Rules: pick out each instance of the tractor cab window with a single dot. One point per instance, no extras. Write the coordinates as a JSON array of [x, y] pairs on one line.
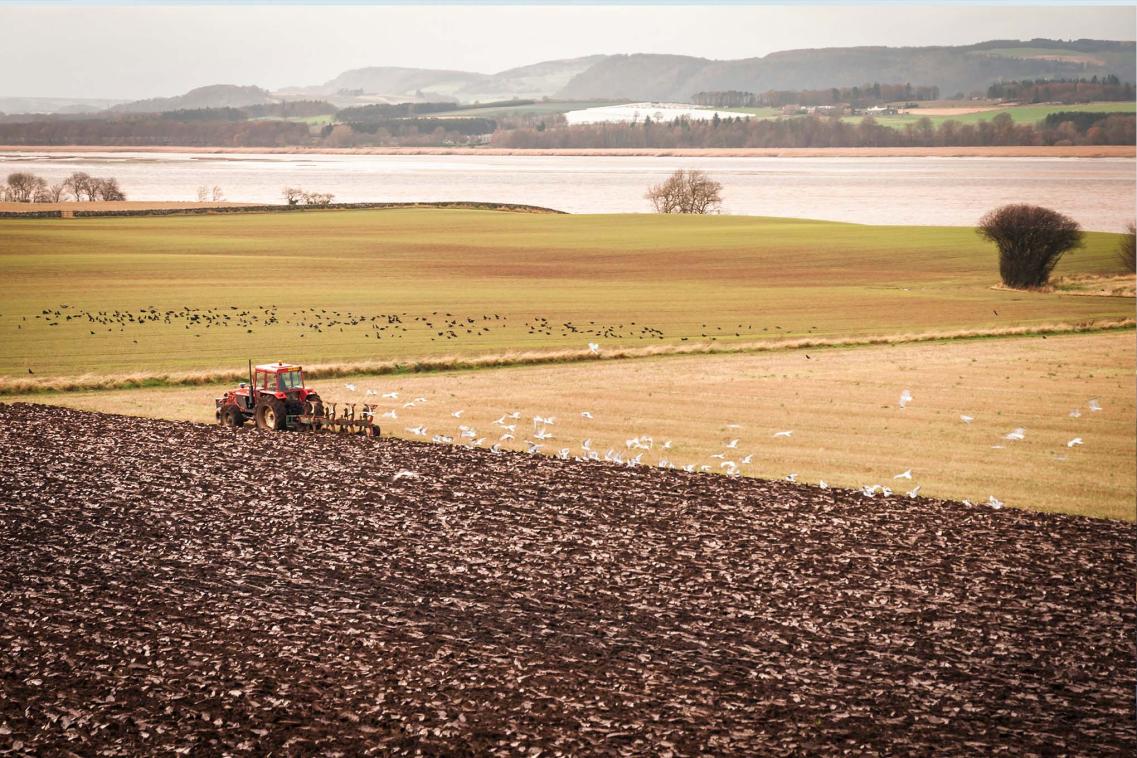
[[264, 380], [290, 380]]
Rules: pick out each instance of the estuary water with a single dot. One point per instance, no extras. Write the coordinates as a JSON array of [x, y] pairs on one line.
[[1098, 192]]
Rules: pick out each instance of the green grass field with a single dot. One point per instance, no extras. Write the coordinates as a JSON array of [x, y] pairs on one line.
[[108, 296], [1028, 114]]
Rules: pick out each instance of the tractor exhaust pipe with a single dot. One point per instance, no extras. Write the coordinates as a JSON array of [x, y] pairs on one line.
[[250, 374]]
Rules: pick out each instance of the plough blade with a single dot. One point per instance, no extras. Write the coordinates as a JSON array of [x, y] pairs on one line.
[[320, 418]]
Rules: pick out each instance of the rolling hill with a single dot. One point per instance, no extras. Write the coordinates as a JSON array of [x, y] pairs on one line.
[[953, 69], [212, 96]]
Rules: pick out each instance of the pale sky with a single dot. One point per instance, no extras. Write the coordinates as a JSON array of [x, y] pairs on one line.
[[145, 51]]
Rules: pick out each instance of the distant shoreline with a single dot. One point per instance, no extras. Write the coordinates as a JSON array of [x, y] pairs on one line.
[[1017, 151]]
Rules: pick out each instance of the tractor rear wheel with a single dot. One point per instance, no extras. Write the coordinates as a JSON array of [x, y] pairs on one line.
[[271, 416]]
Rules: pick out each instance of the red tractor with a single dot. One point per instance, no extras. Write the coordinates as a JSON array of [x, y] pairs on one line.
[[276, 399]]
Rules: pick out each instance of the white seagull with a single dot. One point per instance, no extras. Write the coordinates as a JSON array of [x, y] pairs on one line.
[[458, 414], [967, 419], [1016, 435], [904, 475], [905, 398], [732, 445], [1074, 442], [593, 348], [419, 431], [784, 434], [585, 414], [1095, 406]]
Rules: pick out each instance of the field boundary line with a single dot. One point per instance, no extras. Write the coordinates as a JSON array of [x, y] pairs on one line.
[[143, 379], [217, 210]]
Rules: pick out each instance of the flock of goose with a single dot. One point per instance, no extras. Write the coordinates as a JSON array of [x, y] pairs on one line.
[[537, 434]]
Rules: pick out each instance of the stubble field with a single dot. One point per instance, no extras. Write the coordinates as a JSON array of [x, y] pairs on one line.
[[841, 405]]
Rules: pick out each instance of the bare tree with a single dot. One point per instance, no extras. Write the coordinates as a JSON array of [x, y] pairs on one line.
[[202, 193], [79, 184], [108, 189], [1031, 240], [218, 195], [1127, 251], [686, 192], [56, 192], [292, 195], [22, 186]]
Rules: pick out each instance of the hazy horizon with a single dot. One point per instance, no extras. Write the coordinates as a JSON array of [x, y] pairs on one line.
[[163, 51]]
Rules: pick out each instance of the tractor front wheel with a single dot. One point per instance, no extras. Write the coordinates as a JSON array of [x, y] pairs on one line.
[[232, 417], [271, 416]]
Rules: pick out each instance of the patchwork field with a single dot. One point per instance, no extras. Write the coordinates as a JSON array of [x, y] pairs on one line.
[[1026, 114], [113, 296], [966, 112]]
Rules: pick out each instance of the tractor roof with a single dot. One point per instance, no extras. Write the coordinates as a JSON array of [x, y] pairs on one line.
[[276, 367]]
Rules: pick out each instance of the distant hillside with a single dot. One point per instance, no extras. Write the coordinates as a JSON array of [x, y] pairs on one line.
[[395, 84], [54, 104], [534, 81], [213, 96], [953, 69]]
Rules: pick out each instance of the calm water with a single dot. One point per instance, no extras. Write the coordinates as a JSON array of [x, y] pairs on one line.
[[1098, 192]]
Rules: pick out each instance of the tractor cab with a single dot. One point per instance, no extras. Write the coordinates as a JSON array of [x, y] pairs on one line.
[[279, 379]]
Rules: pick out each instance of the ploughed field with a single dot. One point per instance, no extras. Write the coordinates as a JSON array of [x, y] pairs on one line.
[[175, 586], [116, 296]]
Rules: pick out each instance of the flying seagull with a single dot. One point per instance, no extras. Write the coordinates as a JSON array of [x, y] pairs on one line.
[[905, 398]]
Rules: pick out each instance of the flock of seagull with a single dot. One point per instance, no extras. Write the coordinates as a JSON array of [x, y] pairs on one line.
[[538, 433]]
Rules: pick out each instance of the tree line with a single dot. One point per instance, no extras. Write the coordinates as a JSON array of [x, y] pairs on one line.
[[1109, 88], [155, 130], [858, 97], [811, 131], [24, 187]]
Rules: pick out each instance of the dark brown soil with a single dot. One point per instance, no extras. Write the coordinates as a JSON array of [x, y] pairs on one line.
[[177, 587]]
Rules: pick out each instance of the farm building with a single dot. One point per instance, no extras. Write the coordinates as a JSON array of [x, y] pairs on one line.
[[638, 112]]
